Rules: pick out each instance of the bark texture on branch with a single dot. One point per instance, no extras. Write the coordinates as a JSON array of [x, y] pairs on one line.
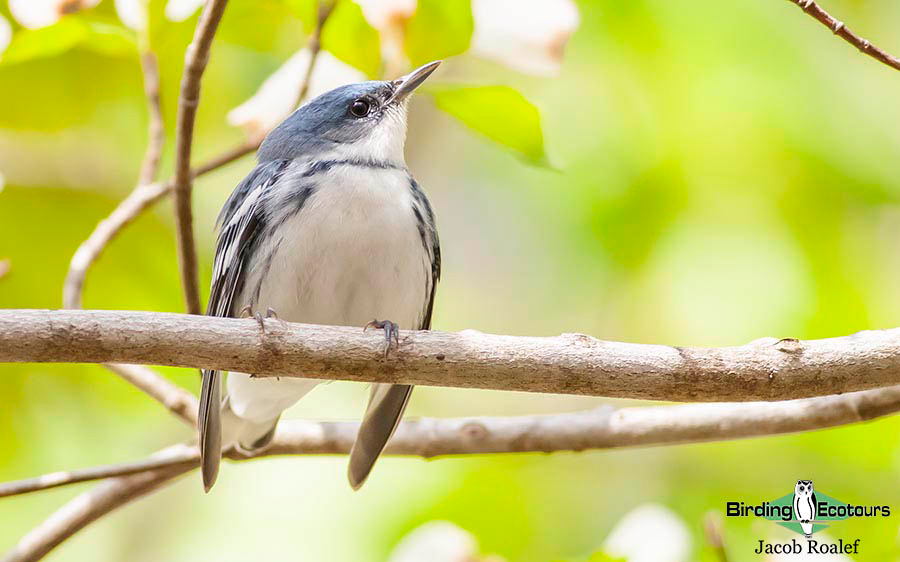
[[601, 428], [767, 369]]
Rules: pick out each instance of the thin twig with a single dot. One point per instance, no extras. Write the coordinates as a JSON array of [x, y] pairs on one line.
[[315, 43], [195, 60], [156, 132], [765, 369], [838, 28], [174, 456], [88, 507], [713, 530], [177, 400], [141, 199], [73, 287], [598, 429]]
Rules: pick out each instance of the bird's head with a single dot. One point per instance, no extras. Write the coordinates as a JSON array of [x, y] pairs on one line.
[[359, 121]]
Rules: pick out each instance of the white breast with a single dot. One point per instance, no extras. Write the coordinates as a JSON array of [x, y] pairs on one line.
[[353, 253]]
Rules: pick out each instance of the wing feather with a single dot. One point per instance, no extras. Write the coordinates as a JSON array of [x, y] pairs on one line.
[[242, 220]]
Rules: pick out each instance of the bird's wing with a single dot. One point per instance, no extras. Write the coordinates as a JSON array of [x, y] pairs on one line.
[[387, 401], [814, 503], [241, 221]]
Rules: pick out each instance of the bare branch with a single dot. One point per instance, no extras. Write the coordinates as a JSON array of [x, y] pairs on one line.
[[315, 43], [156, 133], [195, 59], [171, 457], [767, 369], [177, 400], [841, 30], [88, 507], [603, 428], [137, 202], [87, 253]]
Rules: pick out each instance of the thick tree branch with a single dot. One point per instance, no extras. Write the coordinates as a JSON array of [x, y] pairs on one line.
[[767, 369], [195, 59], [841, 30], [597, 429]]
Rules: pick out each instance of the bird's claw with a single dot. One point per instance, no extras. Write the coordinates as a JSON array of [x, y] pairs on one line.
[[391, 332], [247, 312]]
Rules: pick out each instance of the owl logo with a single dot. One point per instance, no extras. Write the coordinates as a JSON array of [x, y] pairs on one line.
[[805, 506]]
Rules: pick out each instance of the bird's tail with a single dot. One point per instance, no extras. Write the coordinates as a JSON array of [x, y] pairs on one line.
[[210, 425], [218, 425], [386, 405]]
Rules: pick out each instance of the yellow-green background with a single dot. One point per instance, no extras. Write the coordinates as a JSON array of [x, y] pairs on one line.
[[725, 171]]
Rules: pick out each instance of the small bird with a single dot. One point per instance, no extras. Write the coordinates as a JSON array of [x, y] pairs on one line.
[[329, 228], [805, 506]]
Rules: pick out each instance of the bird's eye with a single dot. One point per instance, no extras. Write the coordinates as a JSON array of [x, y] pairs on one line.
[[360, 108]]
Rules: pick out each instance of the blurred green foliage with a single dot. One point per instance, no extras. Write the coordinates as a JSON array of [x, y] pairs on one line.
[[725, 172], [498, 112], [351, 39], [438, 29]]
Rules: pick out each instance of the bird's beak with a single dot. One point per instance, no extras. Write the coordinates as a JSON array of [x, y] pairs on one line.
[[405, 85]]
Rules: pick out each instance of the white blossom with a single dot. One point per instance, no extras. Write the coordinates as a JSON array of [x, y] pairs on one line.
[[5, 38], [526, 35], [133, 13], [436, 541], [180, 10], [649, 533], [384, 14], [278, 95], [34, 14]]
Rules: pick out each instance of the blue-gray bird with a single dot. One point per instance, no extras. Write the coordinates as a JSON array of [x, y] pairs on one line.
[[329, 228]]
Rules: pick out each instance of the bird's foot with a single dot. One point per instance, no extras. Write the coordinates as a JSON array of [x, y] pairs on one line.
[[391, 332], [247, 312]]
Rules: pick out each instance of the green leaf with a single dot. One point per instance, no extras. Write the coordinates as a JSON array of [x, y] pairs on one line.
[[499, 113], [306, 11], [108, 39], [29, 44], [66, 34], [439, 29], [349, 37]]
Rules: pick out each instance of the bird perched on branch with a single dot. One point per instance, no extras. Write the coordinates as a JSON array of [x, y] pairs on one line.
[[329, 228]]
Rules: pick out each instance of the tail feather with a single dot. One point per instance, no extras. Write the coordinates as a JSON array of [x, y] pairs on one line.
[[210, 425], [386, 405]]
